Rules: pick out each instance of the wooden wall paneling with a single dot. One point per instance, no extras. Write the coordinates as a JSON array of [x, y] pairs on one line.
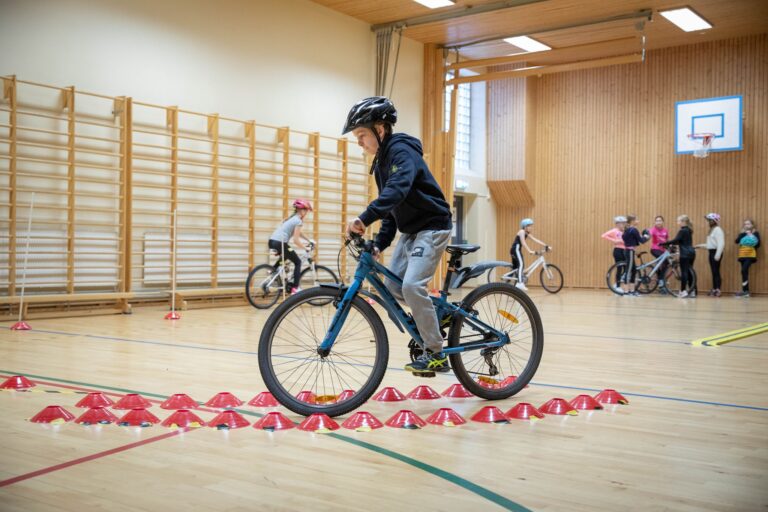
[[343, 150], [68, 97], [250, 135], [9, 94]]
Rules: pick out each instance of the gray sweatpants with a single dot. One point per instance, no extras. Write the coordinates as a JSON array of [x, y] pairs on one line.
[[414, 261]]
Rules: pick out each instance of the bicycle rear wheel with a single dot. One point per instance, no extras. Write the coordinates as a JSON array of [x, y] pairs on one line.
[[646, 283], [500, 372], [613, 277], [673, 282], [501, 274], [295, 373], [551, 278], [263, 286]]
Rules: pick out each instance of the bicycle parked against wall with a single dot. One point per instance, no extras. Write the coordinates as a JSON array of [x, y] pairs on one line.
[[266, 283], [550, 276], [648, 274], [334, 356]]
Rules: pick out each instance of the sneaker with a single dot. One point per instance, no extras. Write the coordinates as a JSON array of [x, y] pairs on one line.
[[742, 294], [683, 294], [618, 289], [295, 290], [692, 294], [521, 286], [429, 362], [716, 293], [635, 293]]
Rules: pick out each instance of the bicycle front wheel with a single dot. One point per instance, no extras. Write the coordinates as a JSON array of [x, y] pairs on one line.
[[302, 380], [263, 286], [501, 372], [551, 278], [646, 283]]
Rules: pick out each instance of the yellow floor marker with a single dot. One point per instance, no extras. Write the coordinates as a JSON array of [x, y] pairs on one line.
[[727, 337]]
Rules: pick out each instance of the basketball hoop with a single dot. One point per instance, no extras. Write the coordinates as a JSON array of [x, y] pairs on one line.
[[704, 140]]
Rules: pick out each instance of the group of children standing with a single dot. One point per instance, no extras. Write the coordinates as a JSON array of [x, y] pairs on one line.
[[626, 238]]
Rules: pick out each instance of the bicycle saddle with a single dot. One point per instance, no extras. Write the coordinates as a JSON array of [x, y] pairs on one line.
[[461, 249]]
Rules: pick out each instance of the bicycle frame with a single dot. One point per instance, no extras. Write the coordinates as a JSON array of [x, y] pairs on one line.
[[528, 271], [368, 269], [658, 261]]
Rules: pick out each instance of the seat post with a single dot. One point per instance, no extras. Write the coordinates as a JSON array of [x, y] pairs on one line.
[[453, 263]]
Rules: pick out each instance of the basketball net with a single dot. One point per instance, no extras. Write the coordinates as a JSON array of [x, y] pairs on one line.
[[704, 140]]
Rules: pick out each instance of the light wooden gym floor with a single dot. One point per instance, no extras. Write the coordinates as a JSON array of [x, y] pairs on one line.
[[694, 436]]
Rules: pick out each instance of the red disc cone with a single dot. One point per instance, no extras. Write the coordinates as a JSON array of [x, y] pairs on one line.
[[21, 326], [446, 417], [611, 396], [179, 401], [223, 400], [138, 417], [274, 421], [345, 395], [423, 393], [318, 423], [173, 315], [389, 394], [132, 401], [52, 414], [264, 399], [228, 420], [17, 382], [362, 422], [585, 403], [306, 397], [509, 380], [95, 399], [488, 382], [405, 419], [524, 411], [183, 418], [490, 414], [558, 407], [457, 391], [96, 415]]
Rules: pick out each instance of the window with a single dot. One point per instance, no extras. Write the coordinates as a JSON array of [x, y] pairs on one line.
[[463, 122]]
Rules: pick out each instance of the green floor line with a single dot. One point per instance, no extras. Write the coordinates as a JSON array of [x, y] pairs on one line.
[[474, 488]]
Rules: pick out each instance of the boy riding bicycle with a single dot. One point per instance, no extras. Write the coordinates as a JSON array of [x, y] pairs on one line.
[[411, 201]]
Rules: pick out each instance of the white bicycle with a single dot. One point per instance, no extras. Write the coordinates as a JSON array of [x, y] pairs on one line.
[[550, 276]]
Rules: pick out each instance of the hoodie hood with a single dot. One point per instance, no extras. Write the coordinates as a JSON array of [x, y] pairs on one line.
[[402, 138]]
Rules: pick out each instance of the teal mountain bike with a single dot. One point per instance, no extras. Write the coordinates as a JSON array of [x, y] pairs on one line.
[[325, 349]]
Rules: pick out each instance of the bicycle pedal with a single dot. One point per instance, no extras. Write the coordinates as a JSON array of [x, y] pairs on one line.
[[425, 375]]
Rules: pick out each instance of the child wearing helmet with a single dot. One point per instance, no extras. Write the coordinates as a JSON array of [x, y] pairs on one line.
[[748, 242], [715, 246], [614, 236], [410, 200], [290, 229], [520, 242]]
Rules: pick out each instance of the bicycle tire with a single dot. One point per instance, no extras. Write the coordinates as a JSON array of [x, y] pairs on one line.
[[672, 280], [320, 270], [267, 369], [557, 275], [611, 279], [646, 284], [537, 342], [268, 299]]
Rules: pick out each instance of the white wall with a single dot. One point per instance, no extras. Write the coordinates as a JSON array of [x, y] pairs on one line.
[[280, 62]]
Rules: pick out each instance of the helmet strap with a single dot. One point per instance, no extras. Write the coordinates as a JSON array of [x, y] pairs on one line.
[[378, 151]]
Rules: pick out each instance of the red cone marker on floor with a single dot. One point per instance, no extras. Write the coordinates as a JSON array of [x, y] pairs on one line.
[[274, 421], [138, 417], [558, 407], [423, 393], [524, 411], [389, 394], [307, 397], [95, 399], [446, 417], [490, 414], [21, 326], [362, 422], [228, 420], [509, 380], [319, 423], [132, 401], [457, 391], [611, 396], [17, 382], [345, 395], [52, 414], [264, 399], [585, 403], [223, 400], [173, 315], [405, 419], [96, 415], [179, 401], [183, 418]]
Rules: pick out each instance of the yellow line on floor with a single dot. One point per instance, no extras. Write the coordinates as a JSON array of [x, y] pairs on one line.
[[727, 337]]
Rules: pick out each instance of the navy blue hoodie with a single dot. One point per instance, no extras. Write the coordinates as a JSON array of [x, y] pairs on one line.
[[409, 197]]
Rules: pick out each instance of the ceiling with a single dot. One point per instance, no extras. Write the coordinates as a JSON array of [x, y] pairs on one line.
[[563, 23]]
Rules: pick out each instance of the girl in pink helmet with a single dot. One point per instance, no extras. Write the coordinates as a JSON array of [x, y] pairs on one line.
[[290, 230]]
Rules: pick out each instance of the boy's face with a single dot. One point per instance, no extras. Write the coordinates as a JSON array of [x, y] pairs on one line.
[[366, 140]]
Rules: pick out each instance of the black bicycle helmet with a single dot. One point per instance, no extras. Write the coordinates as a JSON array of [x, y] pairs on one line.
[[368, 111]]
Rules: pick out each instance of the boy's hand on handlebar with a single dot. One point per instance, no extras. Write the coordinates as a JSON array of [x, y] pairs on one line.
[[355, 226]]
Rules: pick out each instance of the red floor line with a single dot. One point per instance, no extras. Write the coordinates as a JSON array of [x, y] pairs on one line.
[[89, 458]]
